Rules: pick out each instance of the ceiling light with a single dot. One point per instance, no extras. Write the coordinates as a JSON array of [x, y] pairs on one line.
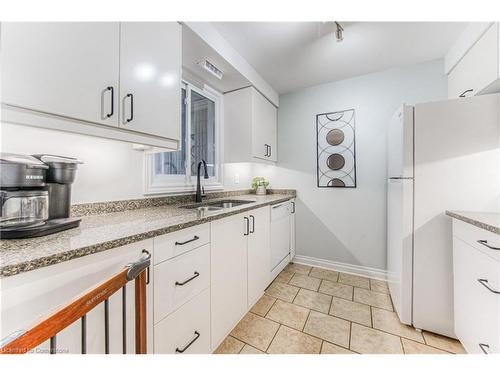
[[339, 32]]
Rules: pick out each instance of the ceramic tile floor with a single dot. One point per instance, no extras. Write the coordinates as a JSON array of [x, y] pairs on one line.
[[312, 310]]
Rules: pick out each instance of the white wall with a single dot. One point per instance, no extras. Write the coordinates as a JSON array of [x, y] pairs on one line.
[[112, 169], [346, 225]]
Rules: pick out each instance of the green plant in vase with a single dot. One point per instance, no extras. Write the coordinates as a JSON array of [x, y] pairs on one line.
[[259, 185]]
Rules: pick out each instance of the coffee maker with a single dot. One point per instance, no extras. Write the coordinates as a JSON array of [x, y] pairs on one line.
[[35, 195]]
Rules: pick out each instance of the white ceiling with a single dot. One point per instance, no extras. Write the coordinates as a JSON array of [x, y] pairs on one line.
[[292, 55]]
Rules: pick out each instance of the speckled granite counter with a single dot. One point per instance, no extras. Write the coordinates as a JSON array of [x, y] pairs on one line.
[[489, 221], [100, 232]]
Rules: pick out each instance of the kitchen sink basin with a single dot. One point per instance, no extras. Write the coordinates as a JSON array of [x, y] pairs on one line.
[[228, 203], [217, 205], [206, 208]]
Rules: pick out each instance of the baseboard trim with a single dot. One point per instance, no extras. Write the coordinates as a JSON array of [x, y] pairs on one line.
[[353, 269]]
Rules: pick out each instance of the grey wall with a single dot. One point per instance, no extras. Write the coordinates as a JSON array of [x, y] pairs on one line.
[[346, 225]]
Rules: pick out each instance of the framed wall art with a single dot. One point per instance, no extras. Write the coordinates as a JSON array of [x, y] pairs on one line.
[[336, 151]]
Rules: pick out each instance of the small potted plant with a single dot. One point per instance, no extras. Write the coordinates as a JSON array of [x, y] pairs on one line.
[[259, 185]]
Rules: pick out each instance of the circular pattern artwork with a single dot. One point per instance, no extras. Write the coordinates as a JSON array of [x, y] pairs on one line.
[[335, 182], [335, 162], [335, 137], [336, 149]]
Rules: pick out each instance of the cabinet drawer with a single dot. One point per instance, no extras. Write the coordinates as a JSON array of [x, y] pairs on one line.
[[471, 235], [477, 306], [188, 324], [179, 279], [173, 244]]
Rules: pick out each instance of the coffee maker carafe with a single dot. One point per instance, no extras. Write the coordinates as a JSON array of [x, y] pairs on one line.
[[35, 193]]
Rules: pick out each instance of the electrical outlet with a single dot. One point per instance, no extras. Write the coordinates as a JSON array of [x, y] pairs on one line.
[[236, 178]]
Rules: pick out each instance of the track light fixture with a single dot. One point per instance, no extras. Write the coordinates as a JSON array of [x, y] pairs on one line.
[[339, 32]]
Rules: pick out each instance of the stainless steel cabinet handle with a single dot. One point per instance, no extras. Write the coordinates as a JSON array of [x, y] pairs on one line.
[[267, 149], [196, 274], [188, 241], [484, 282], [484, 347], [196, 337], [293, 207], [253, 224], [270, 151], [485, 243]]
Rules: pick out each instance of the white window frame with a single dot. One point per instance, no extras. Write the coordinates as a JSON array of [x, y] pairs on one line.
[[171, 184]]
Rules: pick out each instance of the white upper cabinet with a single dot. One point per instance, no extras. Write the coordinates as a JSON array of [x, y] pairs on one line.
[[78, 76], [478, 72], [69, 69], [250, 127], [265, 121], [150, 77]]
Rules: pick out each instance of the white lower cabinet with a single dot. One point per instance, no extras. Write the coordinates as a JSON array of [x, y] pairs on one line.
[[186, 330], [292, 231], [240, 262], [202, 281], [228, 262], [29, 297], [177, 243], [180, 279], [476, 291], [259, 253]]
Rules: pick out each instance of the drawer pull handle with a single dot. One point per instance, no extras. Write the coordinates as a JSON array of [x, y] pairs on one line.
[[485, 243], [484, 347], [196, 274], [188, 241], [462, 95], [196, 337], [484, 282]]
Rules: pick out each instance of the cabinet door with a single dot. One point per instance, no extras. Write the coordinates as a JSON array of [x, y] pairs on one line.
[[186, 330], [264, 123], [476, 305], [292, 231], [62, 68], [150, 78], [259, 253], [28, 297], [478, 68], [228, 263]]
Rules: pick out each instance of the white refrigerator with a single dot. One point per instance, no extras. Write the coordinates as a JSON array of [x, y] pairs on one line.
[[441, 156]]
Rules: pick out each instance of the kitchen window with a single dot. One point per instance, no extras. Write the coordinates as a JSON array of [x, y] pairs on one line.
[[175, 171]]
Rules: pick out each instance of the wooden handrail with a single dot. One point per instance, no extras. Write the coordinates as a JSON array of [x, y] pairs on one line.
[[69, 314]]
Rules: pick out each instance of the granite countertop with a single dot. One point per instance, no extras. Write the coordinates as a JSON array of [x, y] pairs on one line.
[[489, 221], [100, 232]]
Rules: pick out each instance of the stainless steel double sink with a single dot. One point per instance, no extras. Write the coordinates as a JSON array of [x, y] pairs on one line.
[[216, 205]]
